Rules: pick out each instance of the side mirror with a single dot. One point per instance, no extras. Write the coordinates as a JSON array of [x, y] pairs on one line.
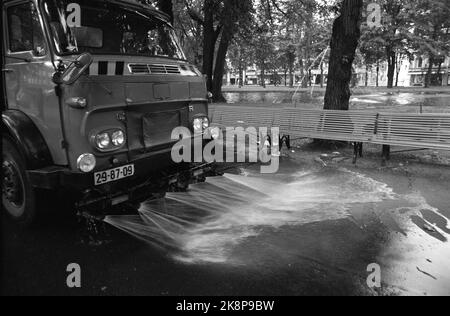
[[74, 71]]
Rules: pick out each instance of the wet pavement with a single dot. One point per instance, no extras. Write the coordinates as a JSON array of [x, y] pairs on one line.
[[307, 230]]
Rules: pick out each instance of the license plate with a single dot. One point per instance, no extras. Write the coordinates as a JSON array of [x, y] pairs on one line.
[[115, 174]]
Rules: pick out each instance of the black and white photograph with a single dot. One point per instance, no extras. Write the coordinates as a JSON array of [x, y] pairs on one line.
[[225, 155]]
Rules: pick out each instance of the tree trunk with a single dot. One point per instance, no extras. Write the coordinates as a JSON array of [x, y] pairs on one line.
[[241, 76], [378, 73], [431, 60], [398, 68], [263, 75], [208, 42], [321, 75], [367, 76], [429, 72], [305, 76], [396, 78], [166, 6], [220, 66], [391, 67], [439, 76], [346, 34], [310, 78], [291, 75]]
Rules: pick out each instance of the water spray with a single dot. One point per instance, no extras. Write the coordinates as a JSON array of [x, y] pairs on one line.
[[210, 220], [321, 55]]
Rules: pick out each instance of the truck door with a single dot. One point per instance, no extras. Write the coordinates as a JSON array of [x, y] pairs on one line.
[[28, 70]]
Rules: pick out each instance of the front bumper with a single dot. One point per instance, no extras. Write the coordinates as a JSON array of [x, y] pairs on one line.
[[63, 178], [153, 164], [134, 189]]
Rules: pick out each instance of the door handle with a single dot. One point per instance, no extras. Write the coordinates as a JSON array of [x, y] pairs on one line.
[[7, 70]]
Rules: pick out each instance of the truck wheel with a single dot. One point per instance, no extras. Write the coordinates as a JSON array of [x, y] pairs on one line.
[[18, 196]]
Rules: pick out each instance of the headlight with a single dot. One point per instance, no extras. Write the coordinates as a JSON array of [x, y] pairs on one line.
[[102, 140], [205, 123], [109, 140], [118, 138], [198, 125], [86, 163]]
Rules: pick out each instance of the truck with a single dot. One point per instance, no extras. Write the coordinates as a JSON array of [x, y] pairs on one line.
[[92, 91]]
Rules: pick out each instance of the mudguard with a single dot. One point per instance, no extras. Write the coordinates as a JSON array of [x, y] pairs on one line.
[[28, 139]]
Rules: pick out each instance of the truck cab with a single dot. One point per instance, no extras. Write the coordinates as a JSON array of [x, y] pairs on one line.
[[93, 90]]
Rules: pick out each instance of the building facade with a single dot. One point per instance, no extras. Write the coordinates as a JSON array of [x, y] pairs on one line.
[[440, 71], [408, 74]]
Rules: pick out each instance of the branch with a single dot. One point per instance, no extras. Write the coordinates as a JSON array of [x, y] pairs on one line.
[[275, 4], [194, 14]]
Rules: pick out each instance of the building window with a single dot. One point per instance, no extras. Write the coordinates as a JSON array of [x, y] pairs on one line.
[[420, 62]]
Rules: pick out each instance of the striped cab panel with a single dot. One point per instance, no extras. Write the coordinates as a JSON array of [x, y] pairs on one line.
[[107, 68], [111, 68]]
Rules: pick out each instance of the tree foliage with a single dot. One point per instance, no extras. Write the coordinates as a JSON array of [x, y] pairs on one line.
[[287, 35], [431, 35]]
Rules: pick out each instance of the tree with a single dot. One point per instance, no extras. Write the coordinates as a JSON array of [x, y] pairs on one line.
[[373, 51], [241, 54], [235, 15], [264, 50], [392, 35], [431, 33], [300, 32], [321, 35], [287, 60], [344, 41], [165, 6], [219, 20], [394, 21]]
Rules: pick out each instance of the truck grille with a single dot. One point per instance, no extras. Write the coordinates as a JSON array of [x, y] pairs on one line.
[[156, 69], [139, 69], [158, 127]]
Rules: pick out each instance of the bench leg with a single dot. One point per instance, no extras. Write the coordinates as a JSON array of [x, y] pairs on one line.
[[386, 154], [361, 150], [281, 142], [286, 139], [288, 142], [355, 152]]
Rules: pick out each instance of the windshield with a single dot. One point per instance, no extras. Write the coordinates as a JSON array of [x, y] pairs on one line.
[[103, 27]]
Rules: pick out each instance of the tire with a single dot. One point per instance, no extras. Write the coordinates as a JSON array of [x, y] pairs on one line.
[[18, 195]]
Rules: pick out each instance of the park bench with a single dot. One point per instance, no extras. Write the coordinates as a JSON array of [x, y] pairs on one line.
[[423, 131], [238, 116], [418, 131]]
